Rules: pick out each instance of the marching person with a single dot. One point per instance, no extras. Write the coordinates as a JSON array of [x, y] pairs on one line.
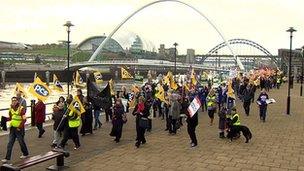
[[211, 105], [71, 130], [174, 114], [263, 104], [97, 112], [222, 121], [58, 112], [192, 122], [117, 120], [40, 116], [86, 118], [18, 119], [247, 97]]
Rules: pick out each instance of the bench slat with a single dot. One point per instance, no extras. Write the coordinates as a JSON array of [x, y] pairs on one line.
[[37, 159], [28, 164]]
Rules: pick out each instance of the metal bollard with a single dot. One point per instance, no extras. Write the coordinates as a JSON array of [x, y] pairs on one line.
[[32, 112]]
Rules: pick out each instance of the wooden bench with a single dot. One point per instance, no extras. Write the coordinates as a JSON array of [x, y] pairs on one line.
[[59, 154]]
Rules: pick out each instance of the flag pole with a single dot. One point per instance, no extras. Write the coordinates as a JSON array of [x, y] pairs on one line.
[[63, 117]]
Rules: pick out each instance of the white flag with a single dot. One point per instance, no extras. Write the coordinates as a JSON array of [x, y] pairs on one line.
[[194, 106]]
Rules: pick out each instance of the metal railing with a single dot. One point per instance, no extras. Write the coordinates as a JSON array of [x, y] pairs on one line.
[[32, 116]]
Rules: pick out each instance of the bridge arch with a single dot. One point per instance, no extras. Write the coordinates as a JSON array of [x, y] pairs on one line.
[[98, 50], [241, 41]]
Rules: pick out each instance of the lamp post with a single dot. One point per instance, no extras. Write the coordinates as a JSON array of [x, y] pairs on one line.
[[175, 51], [290, 30], [302, 70], [68, 25]]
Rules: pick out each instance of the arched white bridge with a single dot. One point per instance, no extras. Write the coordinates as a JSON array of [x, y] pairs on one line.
[[100, 47]]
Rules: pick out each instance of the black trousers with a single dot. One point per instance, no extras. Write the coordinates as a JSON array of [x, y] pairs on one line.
[[40, 128], [172, 128], [108, 114], [263, 111], [246, 106], [141, 135], [70, 133], [168, 122], [191, 132]]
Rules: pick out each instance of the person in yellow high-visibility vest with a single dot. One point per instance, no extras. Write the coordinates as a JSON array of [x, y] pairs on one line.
[[211, 105], [71, 130], [235, 123], [17, 118]]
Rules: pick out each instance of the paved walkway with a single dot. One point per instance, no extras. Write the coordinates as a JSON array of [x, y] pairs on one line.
[[276, 144]]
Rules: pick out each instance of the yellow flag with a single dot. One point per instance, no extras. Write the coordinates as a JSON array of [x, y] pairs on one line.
[[161, 94], [135, 89], [193, 78], [132, 100], [187, 87], [19, 88], [79, 81], [166, 80], [169, 80], [76, 106], [98, 77], [173, 84], [112, 87], [125, 74], [39, 89], [230, 91], [57, 85]]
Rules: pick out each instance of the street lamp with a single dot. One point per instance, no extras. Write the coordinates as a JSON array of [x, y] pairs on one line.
[[68, 25], [290, 30], [302, 70], [175, 51]]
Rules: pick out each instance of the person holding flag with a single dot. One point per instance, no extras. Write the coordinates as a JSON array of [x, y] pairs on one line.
[[74, 111]]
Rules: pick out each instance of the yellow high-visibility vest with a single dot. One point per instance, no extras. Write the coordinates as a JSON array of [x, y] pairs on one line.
[[211, 101], [74, 122], [16, 117], [238, 122]]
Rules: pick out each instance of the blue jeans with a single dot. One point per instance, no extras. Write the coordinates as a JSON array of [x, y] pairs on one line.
[[14, 133], [96, 116]]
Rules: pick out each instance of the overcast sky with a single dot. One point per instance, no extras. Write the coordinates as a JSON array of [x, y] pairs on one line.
[[262, 21]]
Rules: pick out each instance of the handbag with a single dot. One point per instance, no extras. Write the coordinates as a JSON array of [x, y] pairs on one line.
[[143, 123]]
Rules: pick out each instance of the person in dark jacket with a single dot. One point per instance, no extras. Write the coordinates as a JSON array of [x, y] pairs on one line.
[[117, 121], [141, 111], [40, 116], [247, 97], [263, 104], [192, 122], [58, 112], [174, 114], [86, 118], [96, 116], [222, 121]]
